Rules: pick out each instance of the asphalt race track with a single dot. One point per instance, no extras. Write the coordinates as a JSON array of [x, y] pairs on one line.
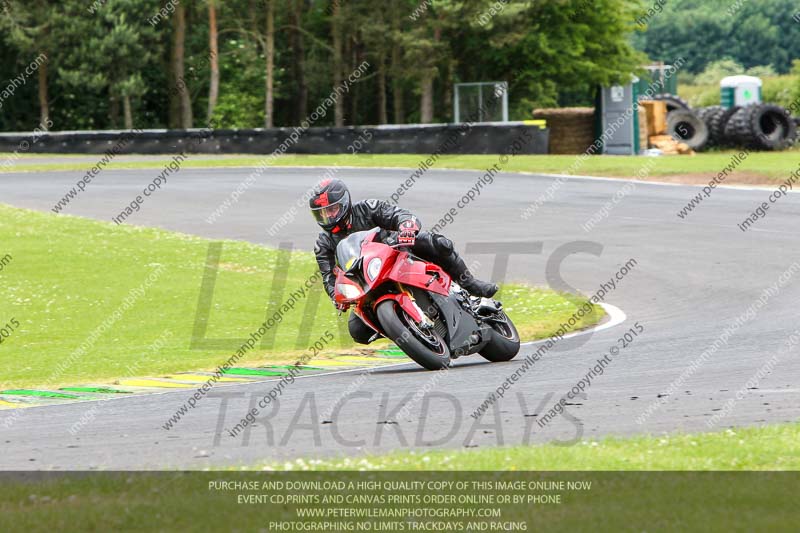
[[692, 279]]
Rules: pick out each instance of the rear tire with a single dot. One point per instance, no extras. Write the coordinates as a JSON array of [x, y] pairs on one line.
[[504, 342], [429, 351]]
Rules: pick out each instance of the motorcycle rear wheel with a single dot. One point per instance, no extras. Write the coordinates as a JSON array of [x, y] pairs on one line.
[[504, 342], [427, 349]]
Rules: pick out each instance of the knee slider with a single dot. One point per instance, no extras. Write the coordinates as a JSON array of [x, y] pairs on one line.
[[359, 331]]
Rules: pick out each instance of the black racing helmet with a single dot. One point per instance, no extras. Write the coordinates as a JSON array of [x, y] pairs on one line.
[[330, 204]]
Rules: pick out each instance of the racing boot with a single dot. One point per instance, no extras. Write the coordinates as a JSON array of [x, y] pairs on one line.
[[458, 270]]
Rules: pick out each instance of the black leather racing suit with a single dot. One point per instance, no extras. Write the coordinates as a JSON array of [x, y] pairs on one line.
[[369, 214]]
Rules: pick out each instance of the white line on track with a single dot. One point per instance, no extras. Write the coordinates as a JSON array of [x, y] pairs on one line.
[[761, 188]]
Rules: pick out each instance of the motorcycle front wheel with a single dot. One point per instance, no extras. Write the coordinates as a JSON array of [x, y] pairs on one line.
[[425, 347]]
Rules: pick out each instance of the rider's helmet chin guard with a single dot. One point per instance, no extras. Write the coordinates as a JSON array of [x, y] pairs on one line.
[[330, 205]]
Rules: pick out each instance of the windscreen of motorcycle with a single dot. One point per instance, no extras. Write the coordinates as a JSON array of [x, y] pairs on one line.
[[349, 250]]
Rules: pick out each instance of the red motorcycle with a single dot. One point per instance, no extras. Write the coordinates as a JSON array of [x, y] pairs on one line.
[[416, 304]]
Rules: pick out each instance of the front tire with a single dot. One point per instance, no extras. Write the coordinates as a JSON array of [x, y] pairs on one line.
[[428, 350], [504, 342]]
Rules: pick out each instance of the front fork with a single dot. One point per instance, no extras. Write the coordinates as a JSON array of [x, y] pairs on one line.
[[406, 302]]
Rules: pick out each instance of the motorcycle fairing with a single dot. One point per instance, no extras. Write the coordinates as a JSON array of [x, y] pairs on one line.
[[418, 273], [404, 301], [460, 325]]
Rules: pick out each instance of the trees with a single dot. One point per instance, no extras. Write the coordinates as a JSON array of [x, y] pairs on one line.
[[425, 49], [252, 63], [183, 117], [269, 55], [28, 26], [109, 52], [750, 33], [213, 55], [336, 38], [396, 63], [551, 53], [296, 10], [370, 38]]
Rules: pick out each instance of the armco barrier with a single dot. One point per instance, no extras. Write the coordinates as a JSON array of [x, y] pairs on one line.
[[489, 138]]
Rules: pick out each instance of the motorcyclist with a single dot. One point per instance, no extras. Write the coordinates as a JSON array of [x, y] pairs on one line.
[[338, 217]]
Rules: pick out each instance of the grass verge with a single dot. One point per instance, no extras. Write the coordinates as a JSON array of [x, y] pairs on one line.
[[771, 447], [78, 289], [759, 168], [603, 500]]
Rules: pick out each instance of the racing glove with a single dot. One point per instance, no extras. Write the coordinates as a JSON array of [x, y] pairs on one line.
[[408, 232], [341, 307]]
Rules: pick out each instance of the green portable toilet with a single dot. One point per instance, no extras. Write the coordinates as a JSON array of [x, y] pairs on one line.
[[740, 91]]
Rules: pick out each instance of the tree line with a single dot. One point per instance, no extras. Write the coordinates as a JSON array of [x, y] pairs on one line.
[[264, 63], [763, 33]]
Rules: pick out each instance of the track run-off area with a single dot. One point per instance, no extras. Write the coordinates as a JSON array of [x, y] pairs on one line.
[[709, 311]]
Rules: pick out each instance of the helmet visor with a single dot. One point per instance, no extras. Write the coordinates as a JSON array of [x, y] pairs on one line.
[[329, 214]]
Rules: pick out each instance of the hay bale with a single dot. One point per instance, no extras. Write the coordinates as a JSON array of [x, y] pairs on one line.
[[571, 128], [670, 146], [656, 116], [644, 132]]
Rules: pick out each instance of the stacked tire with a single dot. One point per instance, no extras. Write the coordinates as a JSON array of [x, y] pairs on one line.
[[685, 126], [762, 126], [758, 126], [716, 118]]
